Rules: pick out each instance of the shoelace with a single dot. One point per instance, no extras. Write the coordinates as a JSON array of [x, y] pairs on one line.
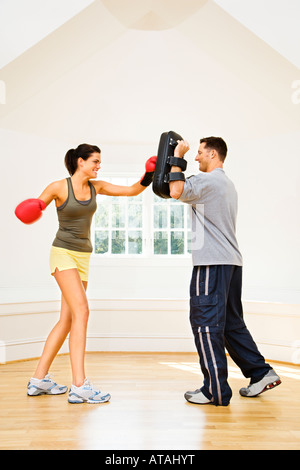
[[88, 384], [50, 378]]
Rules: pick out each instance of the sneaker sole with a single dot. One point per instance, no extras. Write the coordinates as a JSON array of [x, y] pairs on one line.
[[270, 386], [199, 402], [88, 401], [45, 393], [189, 398], [78, 401]]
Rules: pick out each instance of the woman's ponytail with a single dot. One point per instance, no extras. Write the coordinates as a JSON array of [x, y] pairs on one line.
[[71, 161]]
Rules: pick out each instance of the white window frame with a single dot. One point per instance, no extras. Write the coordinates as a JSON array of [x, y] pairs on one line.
[[147, 229]]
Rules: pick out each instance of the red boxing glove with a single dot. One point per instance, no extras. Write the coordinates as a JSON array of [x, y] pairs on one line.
[[30, 211], [148, 176]]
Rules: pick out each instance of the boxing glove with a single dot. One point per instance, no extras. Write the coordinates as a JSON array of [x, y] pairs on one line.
[[147, 178], [30, 210]]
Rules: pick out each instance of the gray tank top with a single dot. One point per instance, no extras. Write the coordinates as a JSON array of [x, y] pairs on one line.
[[75, 218]]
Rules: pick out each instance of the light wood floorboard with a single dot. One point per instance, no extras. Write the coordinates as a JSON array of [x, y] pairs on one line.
[[147, 410]]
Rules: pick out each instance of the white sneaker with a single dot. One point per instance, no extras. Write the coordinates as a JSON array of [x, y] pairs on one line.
[[197, 397], [45, 386], [269, 381], [87, 394]]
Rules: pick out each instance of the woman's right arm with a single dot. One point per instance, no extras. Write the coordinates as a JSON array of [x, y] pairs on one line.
[[52, 191], [30, 210]]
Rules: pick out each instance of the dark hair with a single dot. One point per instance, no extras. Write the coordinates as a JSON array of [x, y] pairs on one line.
[[216, 143], [83, 151]]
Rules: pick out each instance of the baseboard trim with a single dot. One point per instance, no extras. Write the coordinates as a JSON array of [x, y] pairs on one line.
[[123, 327]]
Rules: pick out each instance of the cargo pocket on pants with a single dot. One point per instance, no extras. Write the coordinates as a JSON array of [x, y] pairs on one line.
[[204, 310]]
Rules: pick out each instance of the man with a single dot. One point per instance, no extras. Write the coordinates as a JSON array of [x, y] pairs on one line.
[[216, 312]]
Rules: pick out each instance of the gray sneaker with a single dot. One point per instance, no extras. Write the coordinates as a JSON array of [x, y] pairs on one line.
[[269, 381], [197, 397], [87, 394], [45, 386]]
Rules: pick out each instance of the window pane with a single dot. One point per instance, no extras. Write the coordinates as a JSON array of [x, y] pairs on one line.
[[135, 216], [177, 216], [177, 243], [101, 241], [102, 216], [122, 223], [138, 198], [118, 242], [160, 200], [118, 216], [160, 216], [160, 243], [135, 242]]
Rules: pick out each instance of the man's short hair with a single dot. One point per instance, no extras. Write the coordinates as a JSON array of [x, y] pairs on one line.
[[216, 143]]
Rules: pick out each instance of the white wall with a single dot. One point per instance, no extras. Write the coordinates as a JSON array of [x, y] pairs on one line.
[[119, 87], [268, 223], [266, 173], [143, 304]]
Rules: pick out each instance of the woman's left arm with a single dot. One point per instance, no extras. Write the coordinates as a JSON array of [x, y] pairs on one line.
[[109, 189]]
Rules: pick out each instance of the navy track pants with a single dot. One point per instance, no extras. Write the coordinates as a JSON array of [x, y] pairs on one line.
[[216, 316]]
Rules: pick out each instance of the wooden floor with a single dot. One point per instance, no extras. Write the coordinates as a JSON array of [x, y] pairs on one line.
[[147, 410]]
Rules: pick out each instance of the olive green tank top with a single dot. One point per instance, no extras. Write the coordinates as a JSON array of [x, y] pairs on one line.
[[75, 219]]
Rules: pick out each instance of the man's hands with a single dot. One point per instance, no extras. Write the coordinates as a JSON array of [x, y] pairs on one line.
[[181, 148], [176, 187]]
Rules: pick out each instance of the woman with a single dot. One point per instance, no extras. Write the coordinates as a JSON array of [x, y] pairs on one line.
[[75, 200]]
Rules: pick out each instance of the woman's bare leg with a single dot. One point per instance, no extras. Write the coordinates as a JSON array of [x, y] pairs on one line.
[[60, 331], [73, 291], [54, 341]]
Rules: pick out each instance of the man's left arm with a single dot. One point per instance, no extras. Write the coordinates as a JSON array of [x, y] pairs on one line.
[[176, 187]]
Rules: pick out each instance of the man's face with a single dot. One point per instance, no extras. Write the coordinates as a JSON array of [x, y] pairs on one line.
[[203, 157]]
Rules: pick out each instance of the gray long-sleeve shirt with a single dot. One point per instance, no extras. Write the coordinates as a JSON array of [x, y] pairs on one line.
[[213, 200]]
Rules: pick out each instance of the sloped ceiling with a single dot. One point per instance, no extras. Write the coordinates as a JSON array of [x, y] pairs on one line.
[[123, 72], [24, 23], [276, 22], [152, 15]]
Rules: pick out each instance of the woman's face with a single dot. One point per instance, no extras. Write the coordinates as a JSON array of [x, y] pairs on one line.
[[91, 166]]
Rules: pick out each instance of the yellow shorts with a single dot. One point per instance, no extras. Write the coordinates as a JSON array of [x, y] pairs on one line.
[[63, 259]]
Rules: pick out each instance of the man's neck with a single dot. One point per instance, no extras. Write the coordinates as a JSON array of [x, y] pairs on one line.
[[214, 166]]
